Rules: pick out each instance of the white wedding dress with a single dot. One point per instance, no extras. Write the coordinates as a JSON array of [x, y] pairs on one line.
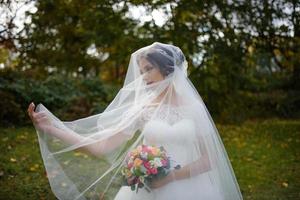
[[177, 136]]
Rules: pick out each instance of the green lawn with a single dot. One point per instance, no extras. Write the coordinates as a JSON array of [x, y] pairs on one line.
[[265, 155]]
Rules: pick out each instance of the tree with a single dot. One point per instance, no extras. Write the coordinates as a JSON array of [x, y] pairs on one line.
[[62, 33]]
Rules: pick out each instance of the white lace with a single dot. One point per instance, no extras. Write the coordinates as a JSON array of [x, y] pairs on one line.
[[173, 113]]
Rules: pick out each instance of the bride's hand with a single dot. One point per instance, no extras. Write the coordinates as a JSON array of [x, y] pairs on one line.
[[161, 182], [39, 119]]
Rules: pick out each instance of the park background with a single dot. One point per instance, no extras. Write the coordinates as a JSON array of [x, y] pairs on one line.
[[72, 56]]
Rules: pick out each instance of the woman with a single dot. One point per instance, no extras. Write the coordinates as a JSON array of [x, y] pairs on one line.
[[157, 105]]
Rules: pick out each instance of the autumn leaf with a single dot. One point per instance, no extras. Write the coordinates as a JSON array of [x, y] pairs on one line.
[[285, 184]]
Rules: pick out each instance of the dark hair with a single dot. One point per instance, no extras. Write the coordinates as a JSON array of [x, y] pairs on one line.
[[164, 61]]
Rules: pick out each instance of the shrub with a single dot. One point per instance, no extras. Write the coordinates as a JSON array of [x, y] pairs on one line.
[[67, 98]]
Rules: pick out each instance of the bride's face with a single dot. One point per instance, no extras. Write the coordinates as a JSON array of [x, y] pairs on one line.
[[150, 72]]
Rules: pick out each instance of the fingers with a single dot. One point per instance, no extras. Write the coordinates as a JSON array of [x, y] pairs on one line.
[[35, 116], [39, 114], [153, 184], [30, 109], [41, 119]]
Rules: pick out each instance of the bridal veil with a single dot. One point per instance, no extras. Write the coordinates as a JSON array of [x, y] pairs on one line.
[[89, 167]]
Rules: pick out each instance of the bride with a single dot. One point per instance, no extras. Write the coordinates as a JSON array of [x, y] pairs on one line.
[[157, 105]]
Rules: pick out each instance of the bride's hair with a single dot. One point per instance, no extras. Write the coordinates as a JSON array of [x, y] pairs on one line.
[[164, 58]]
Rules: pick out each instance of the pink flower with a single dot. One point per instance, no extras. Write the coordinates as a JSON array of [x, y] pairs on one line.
[[148, 172], [164, 162], [146, 149], [153, 171], [147, 165], [130, 165]]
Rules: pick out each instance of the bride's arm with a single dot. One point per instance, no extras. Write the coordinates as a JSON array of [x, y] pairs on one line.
[[96, 148], [68, 136], [198, 166]]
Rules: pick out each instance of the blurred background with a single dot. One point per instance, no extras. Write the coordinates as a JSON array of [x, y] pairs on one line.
[[72, 56]]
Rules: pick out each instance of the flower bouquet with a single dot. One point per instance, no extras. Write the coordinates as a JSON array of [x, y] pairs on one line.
[[144, 164]]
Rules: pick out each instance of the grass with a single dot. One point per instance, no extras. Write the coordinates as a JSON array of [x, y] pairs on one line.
[[265, 155]]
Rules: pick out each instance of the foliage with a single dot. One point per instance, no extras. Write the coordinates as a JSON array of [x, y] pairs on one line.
[[242, 55], [63, 32], [69, 98]]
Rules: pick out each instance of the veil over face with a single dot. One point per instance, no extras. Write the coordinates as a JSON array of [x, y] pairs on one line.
[[107, 137]]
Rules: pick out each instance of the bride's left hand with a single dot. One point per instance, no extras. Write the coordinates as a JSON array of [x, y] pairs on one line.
[[161, 182]]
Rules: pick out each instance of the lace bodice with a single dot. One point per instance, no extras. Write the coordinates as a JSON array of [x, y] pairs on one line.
[[166, 113], [170, 114], [171, 129]]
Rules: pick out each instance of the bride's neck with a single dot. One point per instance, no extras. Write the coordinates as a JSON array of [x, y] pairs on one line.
[[171, 91]]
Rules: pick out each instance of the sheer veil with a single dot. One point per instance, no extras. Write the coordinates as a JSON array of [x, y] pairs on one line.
[[83, 157]]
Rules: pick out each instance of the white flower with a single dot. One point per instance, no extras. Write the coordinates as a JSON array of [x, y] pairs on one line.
[[157, 162]]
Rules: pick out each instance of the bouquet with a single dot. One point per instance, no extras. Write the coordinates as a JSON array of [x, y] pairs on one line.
[[144, 164]]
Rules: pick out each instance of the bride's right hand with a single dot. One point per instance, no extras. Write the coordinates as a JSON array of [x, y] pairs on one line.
[[39, 119]]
